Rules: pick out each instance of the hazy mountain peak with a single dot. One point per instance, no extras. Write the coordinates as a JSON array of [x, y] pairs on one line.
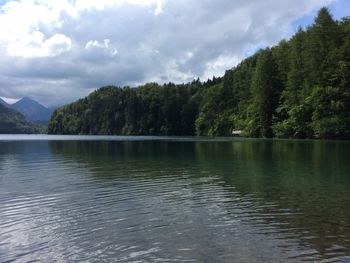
[[29, 100], [32, 110], [2, 102]]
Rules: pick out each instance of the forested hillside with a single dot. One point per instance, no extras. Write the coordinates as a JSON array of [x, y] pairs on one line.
[[12, 122], [297, 89]]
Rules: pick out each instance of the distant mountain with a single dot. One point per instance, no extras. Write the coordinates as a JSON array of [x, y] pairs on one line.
[[13, 122], [2, 102], [32, 110], [3, 108]]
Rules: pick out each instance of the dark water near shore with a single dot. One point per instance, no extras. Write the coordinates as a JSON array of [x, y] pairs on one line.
[[149, 199]]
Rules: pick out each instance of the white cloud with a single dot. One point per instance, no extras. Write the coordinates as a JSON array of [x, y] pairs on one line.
[[103, 4], [20, 18], [76, 46], [106, 46], [9, 100], [218, 66], [20, 22], [35, 45], [19, 28]]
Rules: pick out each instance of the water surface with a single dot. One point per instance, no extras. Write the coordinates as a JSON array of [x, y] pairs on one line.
[[168, 199]]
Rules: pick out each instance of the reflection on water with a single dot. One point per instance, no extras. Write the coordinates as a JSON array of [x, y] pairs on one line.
[[168, 200]]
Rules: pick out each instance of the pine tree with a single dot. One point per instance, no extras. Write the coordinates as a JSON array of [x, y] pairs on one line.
[[321, 39], [265, 88]]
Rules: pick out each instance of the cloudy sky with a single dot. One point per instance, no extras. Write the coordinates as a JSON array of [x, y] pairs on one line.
[[56, 51]]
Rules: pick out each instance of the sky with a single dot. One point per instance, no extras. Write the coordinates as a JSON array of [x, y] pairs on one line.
[[58, 51]]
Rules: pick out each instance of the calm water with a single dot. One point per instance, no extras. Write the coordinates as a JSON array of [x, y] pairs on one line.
[[149, 199]]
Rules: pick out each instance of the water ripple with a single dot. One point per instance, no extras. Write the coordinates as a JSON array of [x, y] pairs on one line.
[[58, 206]]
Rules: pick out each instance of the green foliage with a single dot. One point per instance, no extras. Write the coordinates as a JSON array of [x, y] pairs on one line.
[[331, 112], [12, 122], [266, 86], [148, 110], [297, 125], [297, 89]]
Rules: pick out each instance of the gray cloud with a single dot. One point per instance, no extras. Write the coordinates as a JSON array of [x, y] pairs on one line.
[[128, 44]]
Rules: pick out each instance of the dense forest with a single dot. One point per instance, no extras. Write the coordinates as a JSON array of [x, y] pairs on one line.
[[13, 122], [297, 89]]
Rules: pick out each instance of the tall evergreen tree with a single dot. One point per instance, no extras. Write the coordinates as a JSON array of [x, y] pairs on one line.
[[321, 39], [266, 87]]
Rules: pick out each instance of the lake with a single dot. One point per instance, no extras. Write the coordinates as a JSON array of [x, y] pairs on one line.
[[168, 199]]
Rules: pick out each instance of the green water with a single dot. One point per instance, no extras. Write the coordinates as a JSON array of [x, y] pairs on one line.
[[159, 199]]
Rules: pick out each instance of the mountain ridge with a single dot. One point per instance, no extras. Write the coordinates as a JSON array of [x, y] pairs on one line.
[[2, 102], [13, 122], [32, 110]]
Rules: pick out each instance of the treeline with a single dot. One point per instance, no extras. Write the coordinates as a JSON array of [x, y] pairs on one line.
[[148, 110], [297, 89]]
